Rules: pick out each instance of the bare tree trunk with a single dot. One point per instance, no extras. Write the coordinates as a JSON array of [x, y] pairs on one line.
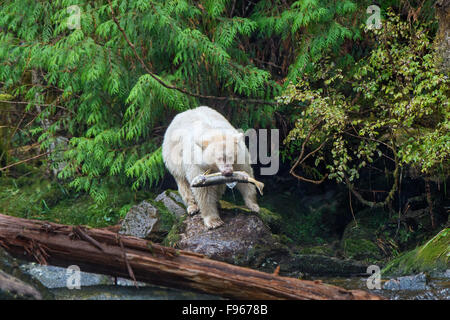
[[102, 251]]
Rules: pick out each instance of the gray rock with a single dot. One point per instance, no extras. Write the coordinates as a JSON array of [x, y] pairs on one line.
[[140, 221], [56, 277], [173, 202], [414, 282], [243, 239]]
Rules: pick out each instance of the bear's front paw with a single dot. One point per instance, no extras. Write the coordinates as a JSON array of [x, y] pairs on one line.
[[192, 209], [253, 207], [212, 222]]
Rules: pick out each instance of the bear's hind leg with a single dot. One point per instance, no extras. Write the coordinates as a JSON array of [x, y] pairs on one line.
[[186, 194]]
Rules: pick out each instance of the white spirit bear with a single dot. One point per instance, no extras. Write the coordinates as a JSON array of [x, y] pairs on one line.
[[199, 140]]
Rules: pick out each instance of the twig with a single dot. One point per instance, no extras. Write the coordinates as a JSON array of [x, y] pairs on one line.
[[300, 158], [42, 105], [268, 63], [22, 161], [351, 207], [430, 202], [130, 270], [83, 235]]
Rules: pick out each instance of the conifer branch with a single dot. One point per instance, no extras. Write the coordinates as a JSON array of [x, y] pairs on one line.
[[172, 87]]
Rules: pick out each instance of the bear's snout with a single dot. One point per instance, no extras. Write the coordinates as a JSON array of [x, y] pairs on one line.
[[228, 171]]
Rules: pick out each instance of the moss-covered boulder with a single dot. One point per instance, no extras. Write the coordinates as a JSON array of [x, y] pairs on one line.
[[140, 221], [149, 220], [359, 243], [173, 202], [244, 239], [432, 257], [271, 219], [324, 250], [253, 240]]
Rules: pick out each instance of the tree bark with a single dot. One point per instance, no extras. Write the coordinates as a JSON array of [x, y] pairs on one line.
[[102, 251]]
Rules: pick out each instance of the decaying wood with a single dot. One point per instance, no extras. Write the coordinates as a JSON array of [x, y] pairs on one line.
[[102, 251]]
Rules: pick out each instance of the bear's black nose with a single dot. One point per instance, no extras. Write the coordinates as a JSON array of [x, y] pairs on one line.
[[227, 172]]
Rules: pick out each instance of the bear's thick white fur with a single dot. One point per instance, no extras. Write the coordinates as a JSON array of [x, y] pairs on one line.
[[202, 139]]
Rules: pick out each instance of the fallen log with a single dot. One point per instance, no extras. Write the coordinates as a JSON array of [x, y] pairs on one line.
[[102, 251]]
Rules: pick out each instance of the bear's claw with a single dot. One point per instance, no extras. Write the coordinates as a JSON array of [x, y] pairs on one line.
[[212, 222], [253, 207], [192, 209]]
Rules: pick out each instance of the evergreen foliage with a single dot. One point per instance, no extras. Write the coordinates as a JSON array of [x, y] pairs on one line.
[[112, 85], [87, 83]]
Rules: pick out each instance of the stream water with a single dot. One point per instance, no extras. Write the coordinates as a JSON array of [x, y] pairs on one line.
[[101, 287], [436, 288]]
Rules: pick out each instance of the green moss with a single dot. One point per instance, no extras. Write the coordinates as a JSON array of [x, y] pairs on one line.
[[271, 219], [36, 197], [431, 257], [225, 205], [167, 218], [173, 236], [358, 242], [283, 239], [175, 196], [325, 250], [361, 249]]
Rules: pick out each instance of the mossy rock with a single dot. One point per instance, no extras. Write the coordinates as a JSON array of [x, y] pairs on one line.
[[166, 218], [172, 201], [149, 220], [271, 219], [358, 242], [432, 257], [244, 239], [173, 214], [175, 232], [319, 265], [325, 250]]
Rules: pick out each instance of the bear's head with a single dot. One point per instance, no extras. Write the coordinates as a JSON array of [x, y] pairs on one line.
[[221, 149]]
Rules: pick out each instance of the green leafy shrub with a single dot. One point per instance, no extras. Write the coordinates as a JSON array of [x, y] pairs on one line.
[[390, 110]]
